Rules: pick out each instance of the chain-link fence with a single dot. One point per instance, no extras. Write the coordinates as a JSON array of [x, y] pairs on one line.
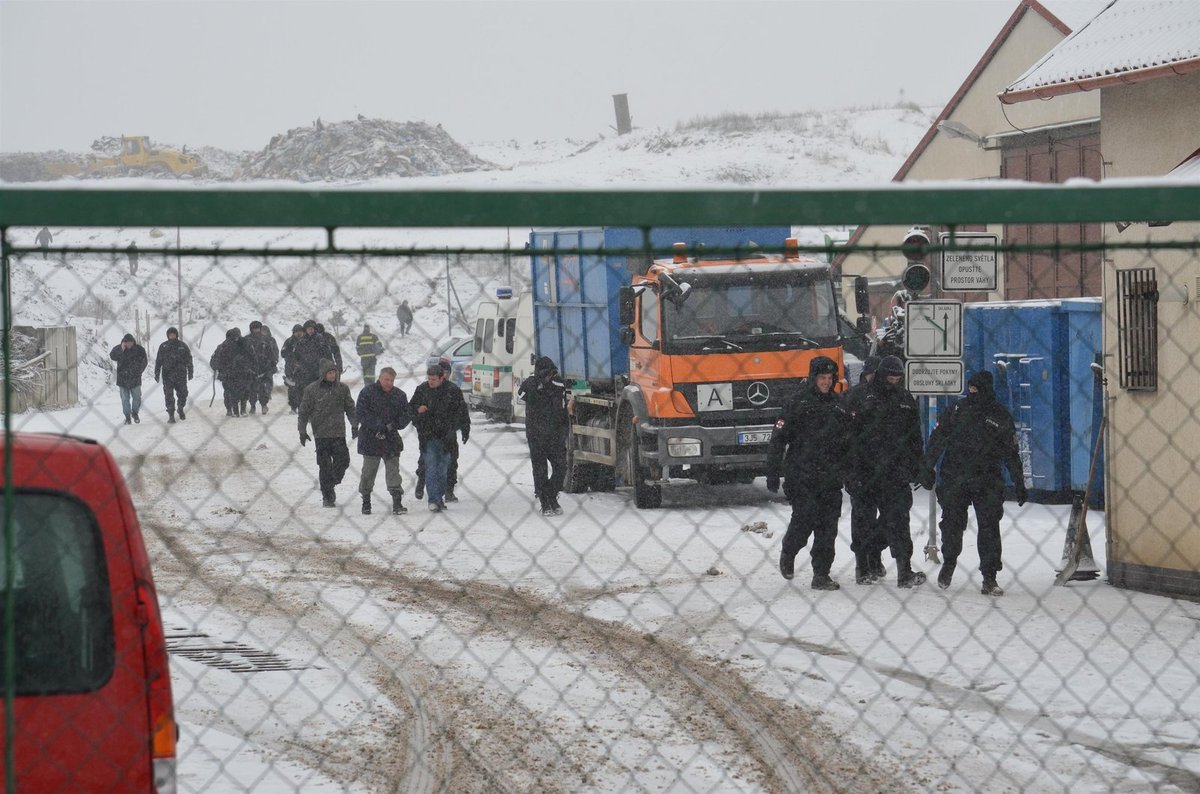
[[472, 627]]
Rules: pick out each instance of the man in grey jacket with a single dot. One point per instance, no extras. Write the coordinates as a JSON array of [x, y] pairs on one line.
[[323, 404]]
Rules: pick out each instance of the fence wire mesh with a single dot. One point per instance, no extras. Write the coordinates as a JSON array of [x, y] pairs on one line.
[[642, 637]]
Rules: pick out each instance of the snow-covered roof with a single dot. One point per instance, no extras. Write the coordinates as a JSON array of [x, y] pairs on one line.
[[1189, 169], [1127, 42]]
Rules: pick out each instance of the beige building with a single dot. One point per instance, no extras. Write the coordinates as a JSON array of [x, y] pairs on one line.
[[975, 137], [1141, 59]]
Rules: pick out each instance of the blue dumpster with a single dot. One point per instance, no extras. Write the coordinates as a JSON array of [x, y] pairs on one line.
[[1040, 354]]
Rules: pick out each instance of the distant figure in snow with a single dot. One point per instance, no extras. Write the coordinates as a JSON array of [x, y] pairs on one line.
[[44, 238], [132, 252], [404, 314]]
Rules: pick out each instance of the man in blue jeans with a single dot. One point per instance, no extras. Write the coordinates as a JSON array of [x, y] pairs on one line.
[[131, 363], [437, 410]]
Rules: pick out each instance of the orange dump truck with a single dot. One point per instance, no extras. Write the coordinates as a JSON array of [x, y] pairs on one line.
[[679, 367]]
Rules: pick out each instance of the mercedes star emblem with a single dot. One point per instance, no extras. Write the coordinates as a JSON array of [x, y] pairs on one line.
[[757, 393]]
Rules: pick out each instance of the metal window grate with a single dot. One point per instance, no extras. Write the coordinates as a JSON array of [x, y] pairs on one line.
[[1137, 328]]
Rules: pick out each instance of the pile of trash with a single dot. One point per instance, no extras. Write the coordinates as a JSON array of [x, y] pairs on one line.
[[360, 149]]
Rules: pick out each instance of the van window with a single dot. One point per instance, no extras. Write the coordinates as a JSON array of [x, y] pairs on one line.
[[510, 332], [487, 336], [62, 608], [479, 334], [466, 349]]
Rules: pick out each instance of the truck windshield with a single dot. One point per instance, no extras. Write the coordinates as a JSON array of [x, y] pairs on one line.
[[750, 313]]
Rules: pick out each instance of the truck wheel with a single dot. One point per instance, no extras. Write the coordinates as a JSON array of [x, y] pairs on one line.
[[579, 476], [645, 495]]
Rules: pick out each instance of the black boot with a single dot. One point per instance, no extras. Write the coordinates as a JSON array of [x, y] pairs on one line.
[[398, 508], [366, 507], [327, 498], [253, 407], [170, 417], [547, 510], [990, 587], [862, 570], [875, 566], [420, 494], [946, 575], [450, 497], [822, 581], [264, 409], [181, 414], [787, 565], [906, 577]]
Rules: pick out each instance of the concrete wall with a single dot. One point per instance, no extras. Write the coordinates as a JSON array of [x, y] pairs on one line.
[[1154, 474]]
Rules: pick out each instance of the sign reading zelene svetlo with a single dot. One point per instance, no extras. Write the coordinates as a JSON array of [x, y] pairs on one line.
[[968, 262]]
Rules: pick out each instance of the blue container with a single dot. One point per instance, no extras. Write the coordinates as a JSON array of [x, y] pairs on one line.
[[575, 307], [1040, 354]]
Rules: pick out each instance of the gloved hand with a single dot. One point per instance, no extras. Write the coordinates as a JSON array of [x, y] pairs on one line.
[[926, 478], [354, 432], [773, 483], [1022, 494], [466, 434], [304, 439]]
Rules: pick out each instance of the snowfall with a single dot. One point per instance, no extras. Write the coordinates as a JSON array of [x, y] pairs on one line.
[[608, 649]]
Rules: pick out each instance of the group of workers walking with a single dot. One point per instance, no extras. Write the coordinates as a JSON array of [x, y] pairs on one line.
[[878, 425]]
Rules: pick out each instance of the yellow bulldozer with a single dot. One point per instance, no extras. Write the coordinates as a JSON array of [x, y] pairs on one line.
[[138, 157]]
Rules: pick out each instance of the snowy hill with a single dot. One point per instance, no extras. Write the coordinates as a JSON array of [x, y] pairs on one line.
[[97, 295]]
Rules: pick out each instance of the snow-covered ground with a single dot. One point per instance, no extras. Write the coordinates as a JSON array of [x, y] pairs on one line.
[[489, 648]]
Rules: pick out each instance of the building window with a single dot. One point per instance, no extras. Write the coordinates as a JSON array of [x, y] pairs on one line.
[[1137, 328]]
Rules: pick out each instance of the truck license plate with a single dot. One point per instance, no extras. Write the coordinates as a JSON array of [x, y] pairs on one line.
[[757, 437]]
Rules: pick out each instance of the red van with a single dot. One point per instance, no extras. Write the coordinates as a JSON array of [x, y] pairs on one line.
[[90, 687]]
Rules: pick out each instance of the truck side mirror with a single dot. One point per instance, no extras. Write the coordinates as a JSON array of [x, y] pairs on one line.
[[625, 335], [862, 299], [627, 309]]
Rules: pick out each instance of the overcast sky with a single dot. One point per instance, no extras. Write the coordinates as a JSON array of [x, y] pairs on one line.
[[232, 74]]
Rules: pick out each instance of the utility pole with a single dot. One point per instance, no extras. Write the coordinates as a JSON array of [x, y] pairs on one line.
[[179, 280]]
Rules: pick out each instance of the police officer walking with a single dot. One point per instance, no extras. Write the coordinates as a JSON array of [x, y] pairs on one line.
[[264, 354], [866, 540], [546, 426], [173, 364], [885, 453], [805, 450], [974, 438]]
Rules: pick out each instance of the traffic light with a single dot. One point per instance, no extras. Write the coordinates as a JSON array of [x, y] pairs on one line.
[[916, 250]]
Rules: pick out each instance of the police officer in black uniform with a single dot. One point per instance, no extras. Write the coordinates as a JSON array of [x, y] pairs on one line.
[[546, 426], [974, 438], [885, 452], [806, 448], [867, 541]]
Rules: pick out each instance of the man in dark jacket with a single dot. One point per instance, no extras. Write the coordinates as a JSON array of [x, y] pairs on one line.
[[331, 346], [291, 367], [323, 404], [264, 354], [310, 351], [404, 315], [976, 436], [464, 426], [131, 363], [805, 449], [382, 412], [866, 540], [885, 454], [438, 409], [368, 348], [546, 426], [173, 365], [231, 364]]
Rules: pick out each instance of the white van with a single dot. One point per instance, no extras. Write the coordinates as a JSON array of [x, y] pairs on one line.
[[502, 338]]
